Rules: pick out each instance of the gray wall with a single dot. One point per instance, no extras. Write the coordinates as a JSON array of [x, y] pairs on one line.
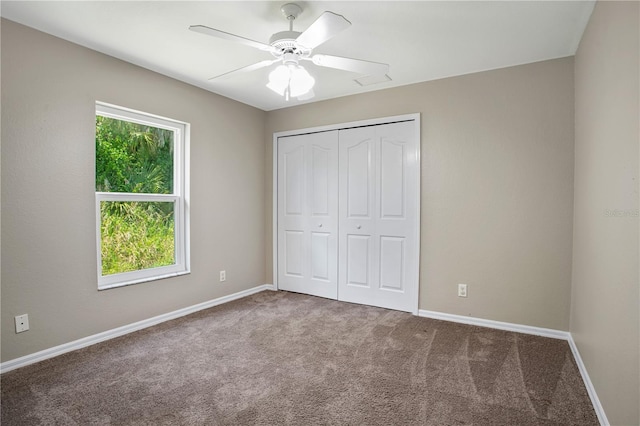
[[49, 88], [497, 186], [604, 308]]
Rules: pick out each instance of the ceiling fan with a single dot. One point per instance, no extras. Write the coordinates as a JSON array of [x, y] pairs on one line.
[[289, 48]]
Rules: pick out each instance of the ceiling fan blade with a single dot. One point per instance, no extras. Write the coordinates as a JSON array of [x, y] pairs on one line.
[[326, 26], [349, 64], [248, 68], [231, 37]]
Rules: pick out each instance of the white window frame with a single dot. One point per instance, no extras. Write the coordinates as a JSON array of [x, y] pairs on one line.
[[180, 198]]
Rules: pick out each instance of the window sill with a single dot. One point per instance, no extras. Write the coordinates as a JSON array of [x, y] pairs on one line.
[[143, 280]]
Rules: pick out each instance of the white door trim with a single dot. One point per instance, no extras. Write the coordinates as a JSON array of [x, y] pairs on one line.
[[340, 126]]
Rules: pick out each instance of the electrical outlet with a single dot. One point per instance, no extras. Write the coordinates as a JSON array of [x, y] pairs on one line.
[[223, 276], [462, 290], [22, 323]]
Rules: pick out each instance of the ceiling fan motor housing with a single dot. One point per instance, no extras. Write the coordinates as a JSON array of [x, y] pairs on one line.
[[285, 42]]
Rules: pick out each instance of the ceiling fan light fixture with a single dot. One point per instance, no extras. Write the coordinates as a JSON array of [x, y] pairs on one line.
[[301, 81], [290, 80], [279, 79]]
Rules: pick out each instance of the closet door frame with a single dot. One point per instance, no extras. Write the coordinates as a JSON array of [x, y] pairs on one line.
[[341, 126]]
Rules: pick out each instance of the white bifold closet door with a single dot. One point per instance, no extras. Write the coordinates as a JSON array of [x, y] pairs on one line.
[[347, 218], [308, 213], [378, 226]]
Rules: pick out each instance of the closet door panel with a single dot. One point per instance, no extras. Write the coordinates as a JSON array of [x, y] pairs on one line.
[[356, 206], [293, 179], [307, 213], [320, 256], [357, 247], [392, 263], [294, 245], [397, 222], [386, 192], [357, 177], [357, 260], [392, 174], [321, 184]]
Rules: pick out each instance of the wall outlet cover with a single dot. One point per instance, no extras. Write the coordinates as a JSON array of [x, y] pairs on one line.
[[22, 323], [462, 290]]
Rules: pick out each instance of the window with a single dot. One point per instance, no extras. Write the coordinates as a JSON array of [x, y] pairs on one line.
[[141, 196]]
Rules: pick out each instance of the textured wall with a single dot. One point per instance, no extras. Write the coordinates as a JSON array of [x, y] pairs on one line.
[[49, 88], [497, 186], [604, 311]]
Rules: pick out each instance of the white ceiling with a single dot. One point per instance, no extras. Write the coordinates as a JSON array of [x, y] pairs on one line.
[[421, 40]]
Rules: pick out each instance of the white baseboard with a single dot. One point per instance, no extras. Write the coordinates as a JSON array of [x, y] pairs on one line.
[[537, 331], [518, 328], [602, 417], [126, 329]]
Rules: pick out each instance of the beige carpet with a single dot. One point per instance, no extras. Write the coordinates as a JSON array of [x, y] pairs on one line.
[[284, 358]]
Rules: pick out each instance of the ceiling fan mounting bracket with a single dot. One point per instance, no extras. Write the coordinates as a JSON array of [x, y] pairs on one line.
[[291, 11]]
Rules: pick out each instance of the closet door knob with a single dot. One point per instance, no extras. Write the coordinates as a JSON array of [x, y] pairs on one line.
[[320, 226], [358, 226]]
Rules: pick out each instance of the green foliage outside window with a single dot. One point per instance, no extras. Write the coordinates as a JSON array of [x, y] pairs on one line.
[[136, 236], [134, 158]]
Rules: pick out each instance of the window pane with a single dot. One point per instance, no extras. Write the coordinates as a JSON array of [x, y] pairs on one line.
[[133, 157], [136, 235]]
